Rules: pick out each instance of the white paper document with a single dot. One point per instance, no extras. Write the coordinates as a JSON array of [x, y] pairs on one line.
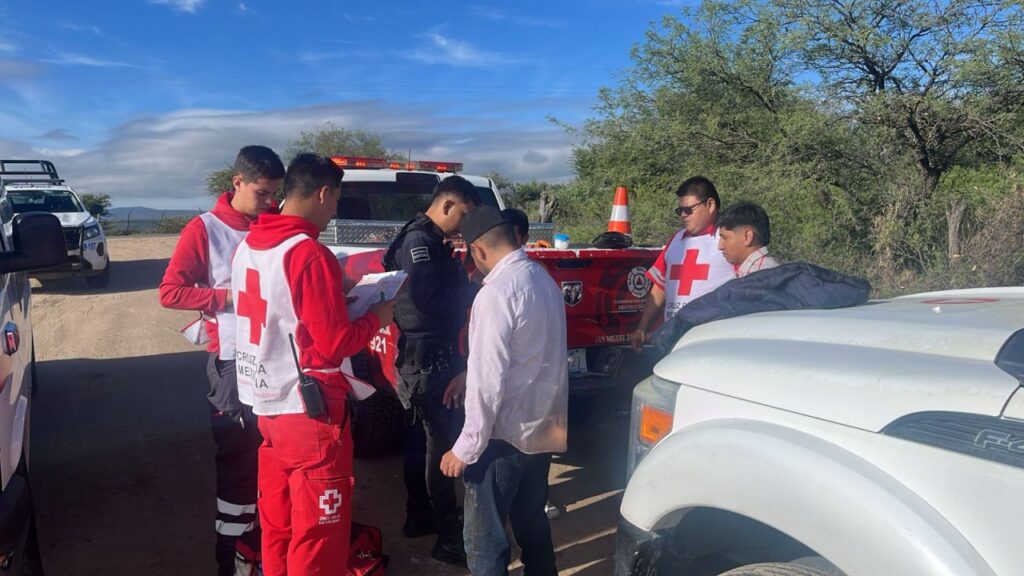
[[361, 390], [368, 291], [196, 331]]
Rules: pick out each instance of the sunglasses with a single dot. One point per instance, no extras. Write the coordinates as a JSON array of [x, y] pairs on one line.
[[687, 210]]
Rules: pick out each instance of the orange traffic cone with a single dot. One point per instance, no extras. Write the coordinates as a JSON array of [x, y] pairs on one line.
[[619, 222]]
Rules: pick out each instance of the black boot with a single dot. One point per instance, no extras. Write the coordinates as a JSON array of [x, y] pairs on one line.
[[450, 548], [419, 523]]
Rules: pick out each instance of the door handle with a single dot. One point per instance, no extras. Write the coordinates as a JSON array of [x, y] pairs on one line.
[[12, 338]]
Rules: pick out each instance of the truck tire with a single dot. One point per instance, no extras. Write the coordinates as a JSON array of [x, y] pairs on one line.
[[378, 425], [378, 422], [774, 569], [101, 280]]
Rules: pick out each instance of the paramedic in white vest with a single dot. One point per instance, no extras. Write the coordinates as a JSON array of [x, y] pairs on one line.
[[286, 284], [198, 278], [691, 264]]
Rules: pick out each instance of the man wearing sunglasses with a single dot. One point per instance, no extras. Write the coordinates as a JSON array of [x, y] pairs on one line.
[[691, 264]]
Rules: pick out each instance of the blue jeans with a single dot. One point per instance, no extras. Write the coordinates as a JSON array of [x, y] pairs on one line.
[[507, 484]]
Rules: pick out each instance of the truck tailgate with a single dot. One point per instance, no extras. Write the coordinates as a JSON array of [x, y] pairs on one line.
[[605, 291]]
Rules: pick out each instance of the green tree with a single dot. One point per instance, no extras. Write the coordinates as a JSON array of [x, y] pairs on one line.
[[219, 181], [525, 195], [96, 204], [842, 117], [329, 140]]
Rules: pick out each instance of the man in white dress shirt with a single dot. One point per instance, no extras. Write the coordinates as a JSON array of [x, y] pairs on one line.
[[517, 392]]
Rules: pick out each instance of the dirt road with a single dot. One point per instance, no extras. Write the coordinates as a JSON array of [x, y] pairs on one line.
[[122, 459]]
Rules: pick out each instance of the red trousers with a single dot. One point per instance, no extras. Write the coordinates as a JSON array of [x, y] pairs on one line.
[[305, 502]]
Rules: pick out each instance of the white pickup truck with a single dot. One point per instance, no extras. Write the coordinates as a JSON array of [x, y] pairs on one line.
[[35, 186], [28, 242], [886, 438]]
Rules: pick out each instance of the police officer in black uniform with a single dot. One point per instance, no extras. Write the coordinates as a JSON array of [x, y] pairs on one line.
[[431, 311]]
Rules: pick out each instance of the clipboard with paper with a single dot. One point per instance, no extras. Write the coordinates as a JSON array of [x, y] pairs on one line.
[[373, 288]]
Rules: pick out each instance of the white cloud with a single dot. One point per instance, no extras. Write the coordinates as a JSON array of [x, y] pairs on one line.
[[60, 152], [497, 15], [190, 6], [445, 51], [72, 59], [82, 28], [163, 161]]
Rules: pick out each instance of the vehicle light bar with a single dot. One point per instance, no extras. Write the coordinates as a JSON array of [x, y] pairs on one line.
[[383, 163], [439, 166], [359, 162]]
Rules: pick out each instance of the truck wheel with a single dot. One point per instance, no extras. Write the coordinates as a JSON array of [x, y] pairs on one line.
[[774, 569], [101, 280], [378, 425]]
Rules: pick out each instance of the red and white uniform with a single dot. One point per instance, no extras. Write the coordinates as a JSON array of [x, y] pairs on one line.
[[285, 282], [688, 268], [198, 277]]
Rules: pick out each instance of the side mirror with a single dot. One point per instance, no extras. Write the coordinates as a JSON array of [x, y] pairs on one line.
[[38, 243]]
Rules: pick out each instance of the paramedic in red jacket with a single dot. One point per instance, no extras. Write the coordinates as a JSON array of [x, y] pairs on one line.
[[285, 283], [198, 277]]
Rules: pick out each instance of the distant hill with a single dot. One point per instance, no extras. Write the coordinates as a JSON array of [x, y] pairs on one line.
[[139, 220], [141, 213]]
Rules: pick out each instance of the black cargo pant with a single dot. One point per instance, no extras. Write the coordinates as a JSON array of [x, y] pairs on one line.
[[433, 431], [238, 440]]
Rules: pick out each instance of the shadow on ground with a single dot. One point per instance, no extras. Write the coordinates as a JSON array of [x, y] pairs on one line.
[[122, 469], [126, 276]]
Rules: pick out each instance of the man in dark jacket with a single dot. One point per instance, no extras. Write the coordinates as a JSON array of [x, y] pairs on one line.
[[431, 311]]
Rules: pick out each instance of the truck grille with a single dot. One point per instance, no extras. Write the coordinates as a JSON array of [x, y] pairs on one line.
[[73, 238], [381, 233]]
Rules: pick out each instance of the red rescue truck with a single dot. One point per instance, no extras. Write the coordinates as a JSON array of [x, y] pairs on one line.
[[605, 290]]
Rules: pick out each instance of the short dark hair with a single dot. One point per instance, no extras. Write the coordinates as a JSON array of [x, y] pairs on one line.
[[308, 173], [459, 187], [497, 236], [748, 214], [518, 219], [255, 162], [700, 187]]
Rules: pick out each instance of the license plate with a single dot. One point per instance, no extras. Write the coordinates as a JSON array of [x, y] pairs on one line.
[[89, 245], [577, 360]]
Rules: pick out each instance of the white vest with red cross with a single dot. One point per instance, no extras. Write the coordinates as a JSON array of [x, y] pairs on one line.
[[267, 376], [694, 266], [221, 242]]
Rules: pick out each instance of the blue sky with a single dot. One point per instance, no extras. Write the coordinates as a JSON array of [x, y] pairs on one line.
[[140, 99]]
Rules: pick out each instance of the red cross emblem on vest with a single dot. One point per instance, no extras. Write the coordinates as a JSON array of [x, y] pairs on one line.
[[251, 305], [689, 272]]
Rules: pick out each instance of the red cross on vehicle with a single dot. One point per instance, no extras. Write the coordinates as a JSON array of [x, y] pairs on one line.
[[689, 272], [251, 305]]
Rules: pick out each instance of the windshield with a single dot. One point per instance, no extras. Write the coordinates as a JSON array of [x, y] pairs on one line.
[[43, 201], [397, 201]]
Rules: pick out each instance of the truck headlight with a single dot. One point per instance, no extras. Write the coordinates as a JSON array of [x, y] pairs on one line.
[[92, 231], [654, 402]]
